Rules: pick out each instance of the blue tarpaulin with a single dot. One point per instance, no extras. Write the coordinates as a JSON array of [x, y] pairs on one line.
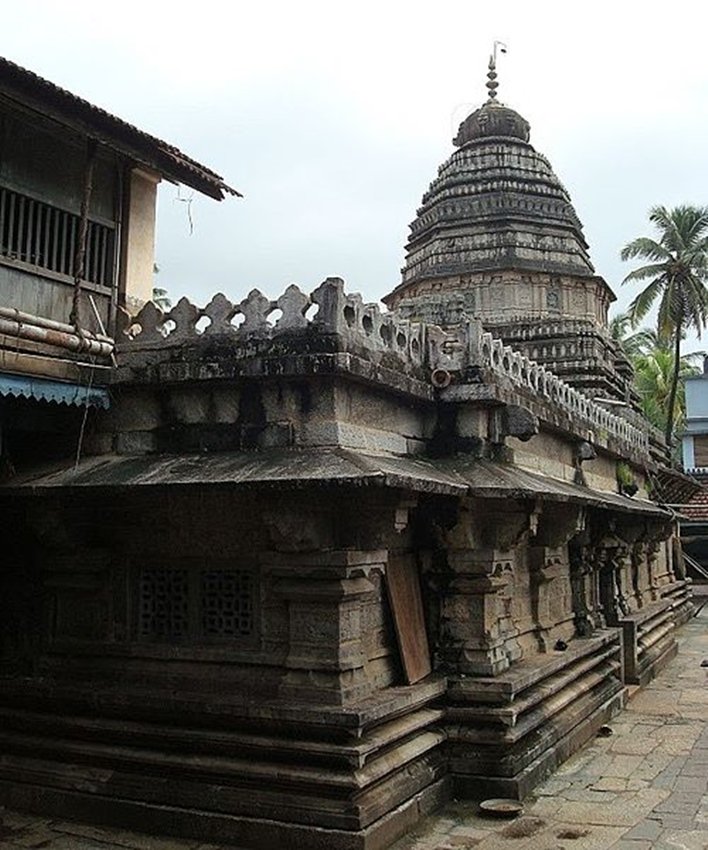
[[43, 389]]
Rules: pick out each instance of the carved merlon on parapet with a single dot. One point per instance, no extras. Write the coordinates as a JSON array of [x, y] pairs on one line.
[[335, 312], [458, 356]]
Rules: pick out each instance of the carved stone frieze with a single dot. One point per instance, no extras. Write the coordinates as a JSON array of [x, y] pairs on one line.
[[582, 586]]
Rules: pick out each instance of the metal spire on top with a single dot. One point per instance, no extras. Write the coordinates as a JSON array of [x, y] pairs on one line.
[[492, 84]]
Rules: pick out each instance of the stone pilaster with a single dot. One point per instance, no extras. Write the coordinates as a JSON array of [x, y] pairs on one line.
[[653, 559], [550, 593], [475, 622], [612, 561], [640, 574], [326, 593], [622, 565], [549, 565], [477, 633]]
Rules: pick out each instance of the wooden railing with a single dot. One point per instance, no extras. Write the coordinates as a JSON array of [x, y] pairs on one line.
[[43, 236]]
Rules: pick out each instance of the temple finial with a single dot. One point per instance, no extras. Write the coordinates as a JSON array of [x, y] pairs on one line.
[[492, 84]]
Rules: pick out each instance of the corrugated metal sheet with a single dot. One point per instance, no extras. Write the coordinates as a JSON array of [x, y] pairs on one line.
[[301, 467], [29, 88], [56, 391]]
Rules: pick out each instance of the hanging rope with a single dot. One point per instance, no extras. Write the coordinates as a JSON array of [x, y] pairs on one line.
[[82, 235]]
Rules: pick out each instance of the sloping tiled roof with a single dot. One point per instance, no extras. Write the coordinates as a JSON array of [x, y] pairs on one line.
[[697, 508], [44, 97], [330, 466]]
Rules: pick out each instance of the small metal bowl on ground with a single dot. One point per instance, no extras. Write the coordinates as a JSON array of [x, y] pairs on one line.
[[501, 808]]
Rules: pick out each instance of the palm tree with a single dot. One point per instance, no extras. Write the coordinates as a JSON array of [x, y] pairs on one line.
[[677, 271], [632, 344], [652, 358], [653, 375]]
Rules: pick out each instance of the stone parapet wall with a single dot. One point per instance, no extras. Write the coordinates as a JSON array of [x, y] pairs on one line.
[[327, 310], [343, 324], [525, 372]]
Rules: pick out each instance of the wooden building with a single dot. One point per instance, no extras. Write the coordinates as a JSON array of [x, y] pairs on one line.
[[77, 225]]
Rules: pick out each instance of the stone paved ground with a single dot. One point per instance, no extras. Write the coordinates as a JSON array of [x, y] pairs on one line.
[[644, 787]]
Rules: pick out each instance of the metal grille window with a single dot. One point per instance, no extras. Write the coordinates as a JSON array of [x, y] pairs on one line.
[[163, 604], [209, 605], [227, 603], [44, 236]]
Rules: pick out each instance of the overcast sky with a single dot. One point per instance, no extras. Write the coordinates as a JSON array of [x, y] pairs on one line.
[[333, 117]]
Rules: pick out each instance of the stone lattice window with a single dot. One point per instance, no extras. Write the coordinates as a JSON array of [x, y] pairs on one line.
[[227, 603], [163, 603], [195, 605]]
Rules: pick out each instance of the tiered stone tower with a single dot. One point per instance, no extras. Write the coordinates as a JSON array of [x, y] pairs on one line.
[[497, 237]]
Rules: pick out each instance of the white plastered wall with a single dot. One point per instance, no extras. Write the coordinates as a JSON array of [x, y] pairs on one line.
[[140, 228]]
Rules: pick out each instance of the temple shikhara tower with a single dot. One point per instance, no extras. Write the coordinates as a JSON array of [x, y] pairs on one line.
[[318, 567], [497, 237]]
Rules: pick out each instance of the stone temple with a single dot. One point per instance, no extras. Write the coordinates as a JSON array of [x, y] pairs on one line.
[[497, 237], [321, 566]]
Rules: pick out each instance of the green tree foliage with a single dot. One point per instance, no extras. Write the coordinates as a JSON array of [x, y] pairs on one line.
[[633, 344], [161, 299], [652, 357], [676, 271], [653, 379]]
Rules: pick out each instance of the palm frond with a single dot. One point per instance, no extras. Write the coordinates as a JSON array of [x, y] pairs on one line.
[[646, 248], [681, 227], [644, 272], [642, 304], [619, 325], [644, 341]]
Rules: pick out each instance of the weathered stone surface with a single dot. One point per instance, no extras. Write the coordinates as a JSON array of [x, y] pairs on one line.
[[496, 237], [196, 632]]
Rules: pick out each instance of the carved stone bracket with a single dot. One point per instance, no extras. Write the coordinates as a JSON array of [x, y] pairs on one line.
[[512, 420]]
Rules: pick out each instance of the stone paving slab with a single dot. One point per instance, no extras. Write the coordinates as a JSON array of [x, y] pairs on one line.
[[21, 832], [643, 788]]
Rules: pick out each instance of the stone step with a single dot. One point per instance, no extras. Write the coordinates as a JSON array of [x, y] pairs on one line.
[[506, 687], [238, 743], [225, 711], [300, 793], [509, 713]]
